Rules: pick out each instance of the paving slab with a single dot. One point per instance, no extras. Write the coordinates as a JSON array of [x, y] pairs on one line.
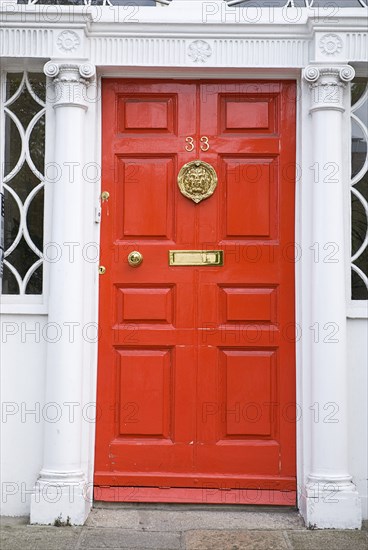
[[235, 540], [159, 527], [157, 520], [100, 538], [326, 539], [39, 538], [13, 522], [123, 519]]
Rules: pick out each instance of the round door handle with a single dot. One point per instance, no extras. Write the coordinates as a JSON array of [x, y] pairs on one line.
[[135, 258]]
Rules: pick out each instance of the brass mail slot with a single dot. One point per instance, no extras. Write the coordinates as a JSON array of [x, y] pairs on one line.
[[196, 257]]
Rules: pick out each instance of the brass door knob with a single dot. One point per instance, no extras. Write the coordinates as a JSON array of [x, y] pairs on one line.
[[135, 258]]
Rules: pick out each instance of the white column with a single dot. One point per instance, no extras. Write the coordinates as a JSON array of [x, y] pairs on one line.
[[330, 498], [60, 489]]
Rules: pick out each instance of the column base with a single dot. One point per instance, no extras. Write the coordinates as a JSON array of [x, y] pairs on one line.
[[330, 504], [60, 499]]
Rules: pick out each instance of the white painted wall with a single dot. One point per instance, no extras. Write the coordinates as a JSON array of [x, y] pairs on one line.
[[24, 410], [358, 407], [23, 362]]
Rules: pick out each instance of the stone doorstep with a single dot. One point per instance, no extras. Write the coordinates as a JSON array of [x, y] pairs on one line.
[[161, 529], [188, 519]]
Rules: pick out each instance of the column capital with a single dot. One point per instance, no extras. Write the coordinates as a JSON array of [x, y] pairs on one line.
[[327, 84], [70, 83]]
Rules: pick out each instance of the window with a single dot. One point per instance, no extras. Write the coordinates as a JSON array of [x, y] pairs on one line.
[[96, 2], [330, 5], [23, 182], [359, 190]]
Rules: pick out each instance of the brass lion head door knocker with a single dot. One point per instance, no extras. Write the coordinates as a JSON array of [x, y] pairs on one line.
[[197, 180]]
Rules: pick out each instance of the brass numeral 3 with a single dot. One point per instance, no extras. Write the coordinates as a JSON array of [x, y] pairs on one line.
[[205, 144], [190, 144]]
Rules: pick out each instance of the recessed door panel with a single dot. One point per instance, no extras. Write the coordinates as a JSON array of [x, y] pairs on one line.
[[145, 182], [145, 393]]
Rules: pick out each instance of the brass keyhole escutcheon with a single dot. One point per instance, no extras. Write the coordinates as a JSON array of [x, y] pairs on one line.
[[102, 270], [135, 258]]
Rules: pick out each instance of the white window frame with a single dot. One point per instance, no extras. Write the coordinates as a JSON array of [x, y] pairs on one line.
[[356, 309], [28, 303]]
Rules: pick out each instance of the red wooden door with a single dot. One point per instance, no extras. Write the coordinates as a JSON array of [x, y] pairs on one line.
[[196, 372]]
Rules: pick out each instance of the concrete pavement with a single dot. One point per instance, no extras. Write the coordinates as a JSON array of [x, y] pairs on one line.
[[180, 527]]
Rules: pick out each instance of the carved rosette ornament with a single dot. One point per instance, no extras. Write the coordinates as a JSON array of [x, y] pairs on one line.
[[197, 180], [71, 81], [199, 51], [330, 44], [68, 41], [327, 85]]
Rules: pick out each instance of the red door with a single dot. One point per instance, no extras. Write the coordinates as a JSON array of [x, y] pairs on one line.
[[196, 372]]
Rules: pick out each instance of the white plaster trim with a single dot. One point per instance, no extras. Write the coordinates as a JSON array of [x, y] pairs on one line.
[[63, 471], [163, 38], [357, 309], [328, 473]]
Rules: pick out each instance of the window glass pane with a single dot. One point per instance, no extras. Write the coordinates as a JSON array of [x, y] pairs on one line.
[[11, 219], [9, 283], [357, 90], [358, 224], [13, 82], [358, 288], [35, 219], [22, 258], [13, 145], [358, 148], [25, 107], [35, 282], [37, 144]]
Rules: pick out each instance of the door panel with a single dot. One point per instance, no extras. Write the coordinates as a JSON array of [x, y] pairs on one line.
[[196, 376]]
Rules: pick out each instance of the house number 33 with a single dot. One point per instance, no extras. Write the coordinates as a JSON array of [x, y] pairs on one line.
[[204, 143]]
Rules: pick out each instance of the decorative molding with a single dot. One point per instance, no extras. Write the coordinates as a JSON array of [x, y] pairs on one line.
[[199, 51], [357, 46], [26, 42], [178, 37], [173, 52], [70, 83], [68, 41], [327, 85], [330, 44]]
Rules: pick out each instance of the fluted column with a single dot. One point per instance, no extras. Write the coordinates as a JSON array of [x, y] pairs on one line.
[[331, 499], [61, 484]]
